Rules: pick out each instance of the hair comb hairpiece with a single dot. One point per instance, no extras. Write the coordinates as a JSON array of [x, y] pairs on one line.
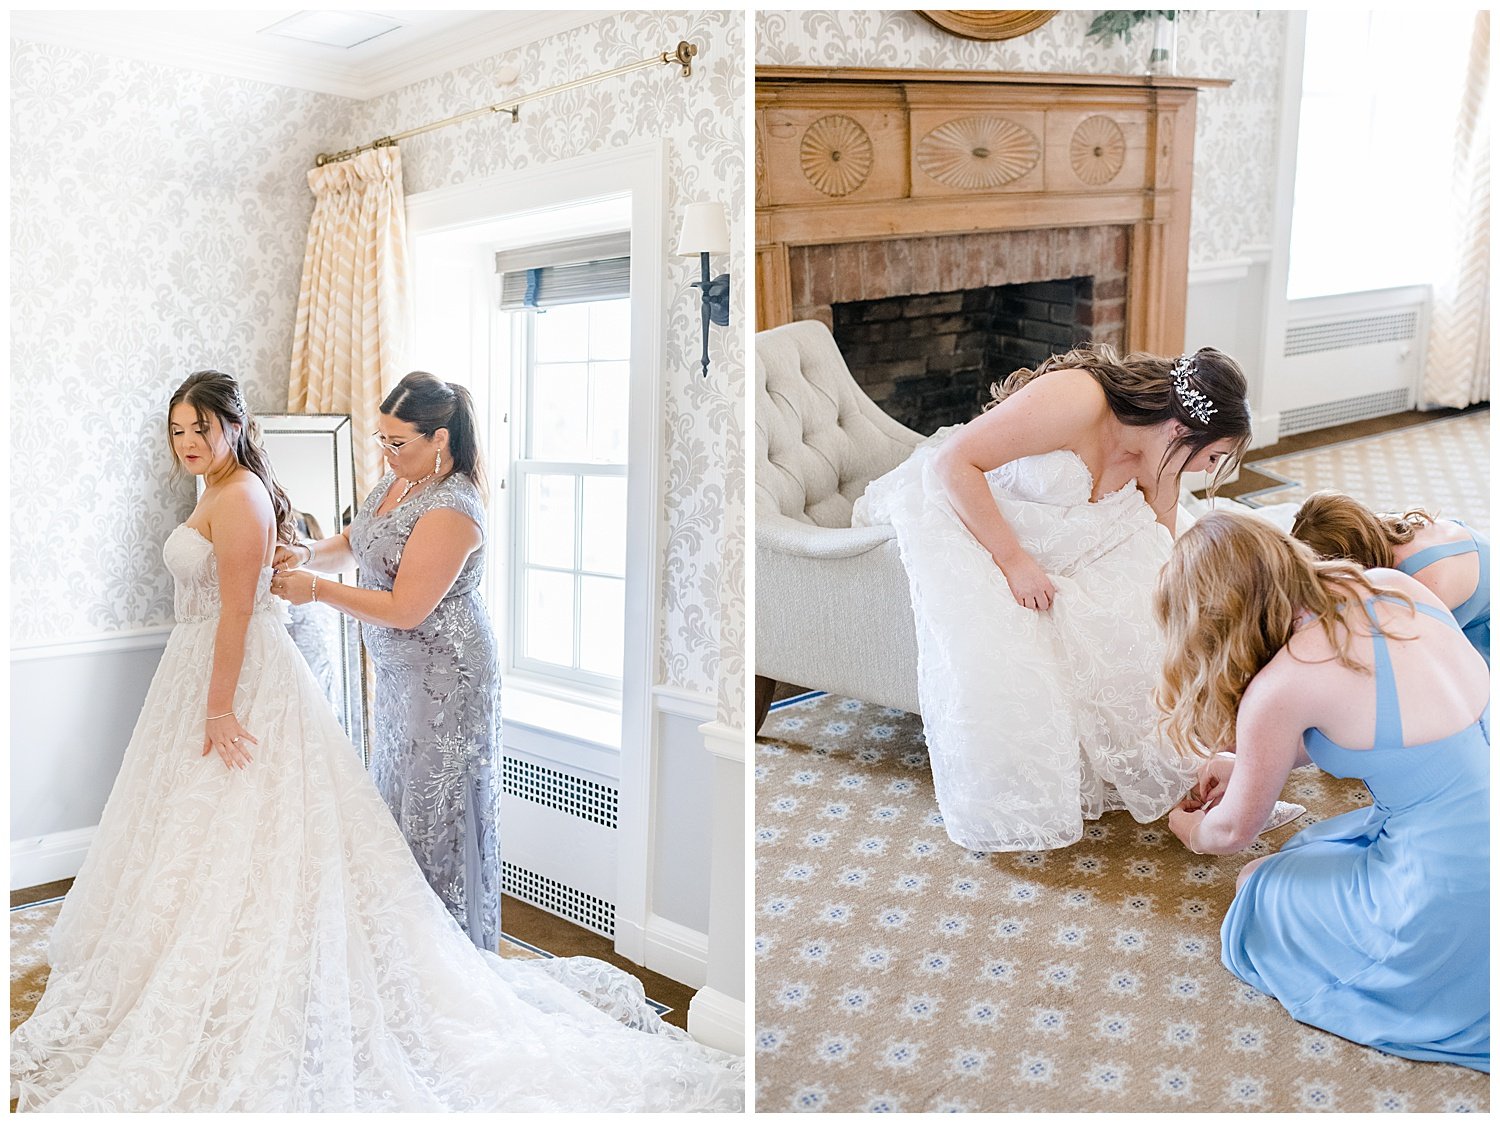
[[1199, 406]]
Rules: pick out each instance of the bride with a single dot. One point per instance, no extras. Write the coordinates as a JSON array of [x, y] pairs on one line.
[[1032, 538], [250, 932]]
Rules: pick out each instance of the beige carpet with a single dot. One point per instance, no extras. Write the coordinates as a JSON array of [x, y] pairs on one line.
[[31, 924], [1442, 465], [898, 972]]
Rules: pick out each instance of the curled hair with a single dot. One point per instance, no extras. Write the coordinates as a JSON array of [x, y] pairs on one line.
[[1140, 392], [213, 392], [1336, 525], [1229, 599], [427, 403]]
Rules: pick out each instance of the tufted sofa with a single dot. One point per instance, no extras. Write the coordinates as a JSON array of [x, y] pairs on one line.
[[832, 605]]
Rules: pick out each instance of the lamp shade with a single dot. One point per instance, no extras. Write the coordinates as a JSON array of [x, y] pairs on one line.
[[705, 229]]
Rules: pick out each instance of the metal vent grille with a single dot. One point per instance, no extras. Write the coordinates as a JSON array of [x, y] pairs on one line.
[[562, 900], [1337, 413], [561, 791], [1308, 339]]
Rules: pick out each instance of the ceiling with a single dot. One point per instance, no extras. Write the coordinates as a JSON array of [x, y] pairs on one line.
[[222, 42]]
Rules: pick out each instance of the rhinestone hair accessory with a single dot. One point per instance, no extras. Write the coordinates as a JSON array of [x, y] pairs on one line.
[[1199, 406]]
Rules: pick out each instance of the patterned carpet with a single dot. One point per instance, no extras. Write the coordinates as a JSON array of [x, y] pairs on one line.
[[1442, 465], [898, 972]]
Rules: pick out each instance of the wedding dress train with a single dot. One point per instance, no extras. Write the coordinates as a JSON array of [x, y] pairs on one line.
[[263, 939], [1035, 721]]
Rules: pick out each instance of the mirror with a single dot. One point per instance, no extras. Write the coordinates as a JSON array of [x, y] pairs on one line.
[[312, 456]]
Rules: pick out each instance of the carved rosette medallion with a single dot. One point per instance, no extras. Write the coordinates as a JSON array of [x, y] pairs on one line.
[[978, 152], [1097, 150], [836, 154]]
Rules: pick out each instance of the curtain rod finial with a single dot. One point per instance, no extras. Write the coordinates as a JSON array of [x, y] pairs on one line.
[[684, 57]]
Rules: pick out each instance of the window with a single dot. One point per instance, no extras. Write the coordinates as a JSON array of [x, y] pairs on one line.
[[1379, 109], [567, 592]]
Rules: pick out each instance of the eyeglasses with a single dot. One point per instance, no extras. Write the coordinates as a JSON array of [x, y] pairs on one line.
[[392, 446]]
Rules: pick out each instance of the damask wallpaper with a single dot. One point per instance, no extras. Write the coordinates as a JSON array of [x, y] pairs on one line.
[[1234, 173], [159, 217]]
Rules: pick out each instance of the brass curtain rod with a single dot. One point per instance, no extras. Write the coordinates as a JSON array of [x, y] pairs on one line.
[[682, 56]]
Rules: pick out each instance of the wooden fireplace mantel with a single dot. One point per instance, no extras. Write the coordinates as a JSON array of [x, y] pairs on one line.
[[854, 155]]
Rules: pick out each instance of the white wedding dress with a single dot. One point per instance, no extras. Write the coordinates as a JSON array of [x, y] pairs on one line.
[[1035, 721], [262, 940]]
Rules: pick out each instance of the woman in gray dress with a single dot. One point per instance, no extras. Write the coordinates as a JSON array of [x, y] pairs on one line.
[[418, 541]]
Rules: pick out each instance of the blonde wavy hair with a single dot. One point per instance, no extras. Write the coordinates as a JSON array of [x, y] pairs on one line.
[[1336, 525], [1140, 392], [1228, 599]]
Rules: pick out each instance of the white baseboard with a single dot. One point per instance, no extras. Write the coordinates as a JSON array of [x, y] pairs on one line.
[[717, 1020], [674, 950], [36, 861]]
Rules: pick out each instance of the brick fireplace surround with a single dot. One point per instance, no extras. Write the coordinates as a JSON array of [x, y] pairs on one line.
[[875, 183]]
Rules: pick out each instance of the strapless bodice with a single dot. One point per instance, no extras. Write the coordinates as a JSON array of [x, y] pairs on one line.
[[195, 578]]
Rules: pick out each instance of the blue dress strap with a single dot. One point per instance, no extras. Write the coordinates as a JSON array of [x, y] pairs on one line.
[[1388, 733], [1423, 558]]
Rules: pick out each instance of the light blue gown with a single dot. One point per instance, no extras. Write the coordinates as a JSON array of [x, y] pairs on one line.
[[1473, 615], [1374, 925]]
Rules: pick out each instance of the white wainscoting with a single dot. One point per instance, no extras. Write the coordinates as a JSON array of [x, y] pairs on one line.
[[73, 706], [717, 1013]]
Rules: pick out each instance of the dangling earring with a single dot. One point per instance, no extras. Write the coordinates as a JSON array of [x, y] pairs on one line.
[[437, 462]]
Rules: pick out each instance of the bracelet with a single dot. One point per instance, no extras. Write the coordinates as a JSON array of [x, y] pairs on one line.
[[315, 589], [216, 717], [308, 547]]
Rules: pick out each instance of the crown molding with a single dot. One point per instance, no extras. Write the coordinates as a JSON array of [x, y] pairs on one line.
[[116, 33]]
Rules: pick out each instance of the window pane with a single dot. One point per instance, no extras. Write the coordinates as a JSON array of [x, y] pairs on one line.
[[549, 617], [559, 421], [603, 635], [562, 334], [609, 403], [609, 330], [549, 520], [604, 524]]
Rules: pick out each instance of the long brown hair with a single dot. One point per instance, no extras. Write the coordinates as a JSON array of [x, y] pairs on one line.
[[1336, 525], [1229, 598], [1140, 392], [212, 391]]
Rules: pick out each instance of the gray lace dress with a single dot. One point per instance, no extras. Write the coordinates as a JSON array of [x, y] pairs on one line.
[[435, 752]]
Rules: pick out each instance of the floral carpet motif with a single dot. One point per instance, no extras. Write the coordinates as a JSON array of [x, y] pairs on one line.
[[895, 971], [1440, 465]]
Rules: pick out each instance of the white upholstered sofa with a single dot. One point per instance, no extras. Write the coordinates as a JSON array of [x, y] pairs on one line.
[[832, 604]]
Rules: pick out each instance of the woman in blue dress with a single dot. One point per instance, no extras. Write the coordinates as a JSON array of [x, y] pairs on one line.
[[1444, 554], [418, 540], [1373, 925]]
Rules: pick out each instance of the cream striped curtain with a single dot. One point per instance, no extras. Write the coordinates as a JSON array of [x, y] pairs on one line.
[[1458, 347], [353, 313]]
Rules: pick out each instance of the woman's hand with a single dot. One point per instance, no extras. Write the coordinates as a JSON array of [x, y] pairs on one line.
[[1029, 583], [293, 586], [1184, 822], [294, 556], [226, 736], [1213, 779]]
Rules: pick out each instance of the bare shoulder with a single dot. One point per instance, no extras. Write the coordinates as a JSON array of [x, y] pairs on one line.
[[241, 496], [1064, 401], [1396, 581], [1072, 388], [1280, 691]]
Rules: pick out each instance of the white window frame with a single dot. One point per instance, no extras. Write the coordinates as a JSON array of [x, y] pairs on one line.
[[638, 171], [523, 359]]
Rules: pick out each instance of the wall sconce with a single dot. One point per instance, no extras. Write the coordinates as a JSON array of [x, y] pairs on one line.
[[705, 230]]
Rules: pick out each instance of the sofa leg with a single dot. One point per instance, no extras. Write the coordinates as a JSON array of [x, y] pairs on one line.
[[765, 690]]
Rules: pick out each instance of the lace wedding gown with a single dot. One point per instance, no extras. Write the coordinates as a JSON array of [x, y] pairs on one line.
[[1035, 721], [262, 940]]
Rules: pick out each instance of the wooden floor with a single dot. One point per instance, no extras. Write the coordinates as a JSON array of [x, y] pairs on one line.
[[526, 923]]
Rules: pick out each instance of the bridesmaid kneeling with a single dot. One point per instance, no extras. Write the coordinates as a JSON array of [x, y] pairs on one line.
[[1443, 554], [1373, 925]]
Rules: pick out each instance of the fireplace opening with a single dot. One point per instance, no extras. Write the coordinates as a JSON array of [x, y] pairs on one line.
[[929, 360]]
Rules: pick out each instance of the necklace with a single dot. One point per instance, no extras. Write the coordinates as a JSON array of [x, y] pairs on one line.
[[412, 485]]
